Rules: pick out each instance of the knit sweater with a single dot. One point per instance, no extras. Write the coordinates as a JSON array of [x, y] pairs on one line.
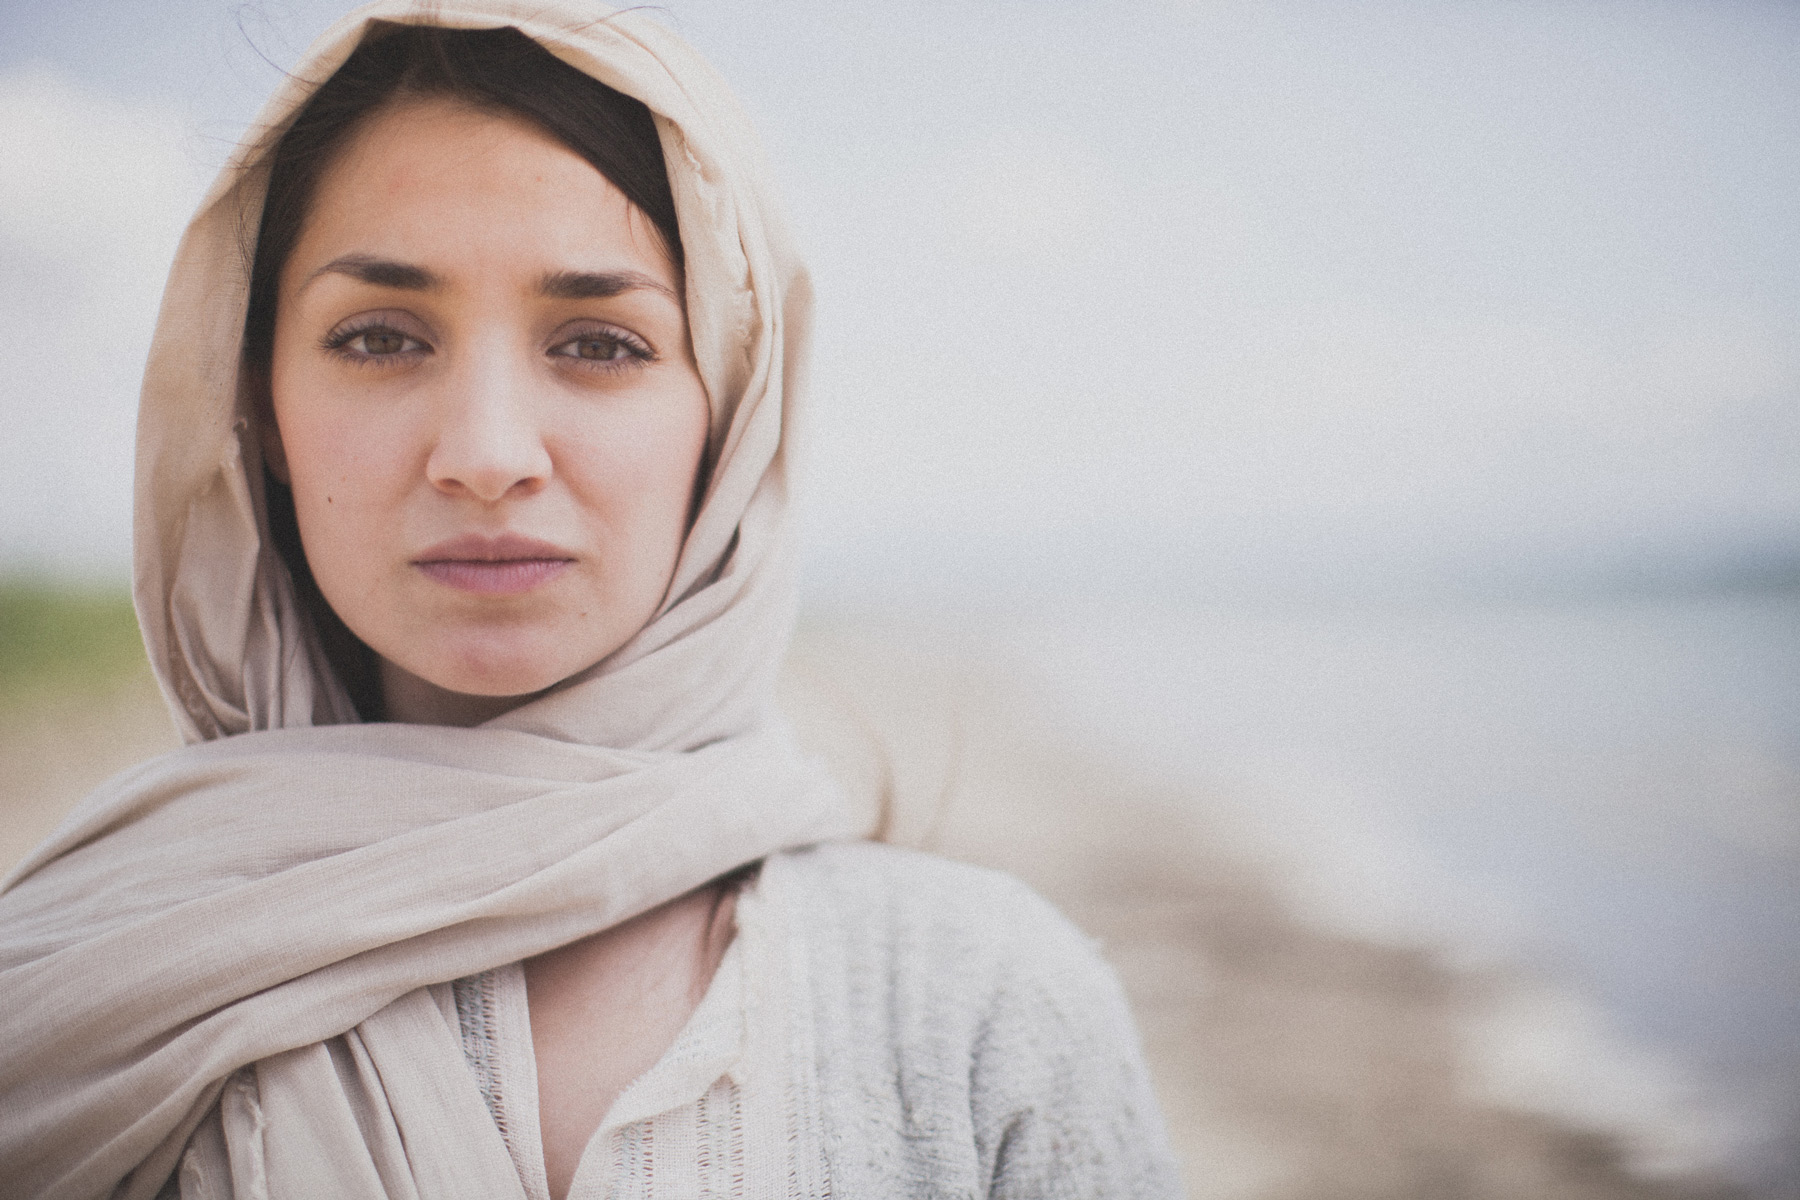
[[885, 1024]]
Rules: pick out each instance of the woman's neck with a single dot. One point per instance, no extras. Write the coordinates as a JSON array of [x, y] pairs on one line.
[[414, 701]]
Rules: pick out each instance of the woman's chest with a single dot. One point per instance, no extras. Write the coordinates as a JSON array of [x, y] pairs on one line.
[[731, 1108]]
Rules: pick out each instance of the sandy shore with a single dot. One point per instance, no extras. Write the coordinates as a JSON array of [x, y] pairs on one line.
[[1293, 1064], [53, 753]]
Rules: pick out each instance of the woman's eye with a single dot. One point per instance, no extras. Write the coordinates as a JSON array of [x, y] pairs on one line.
[[598, 347], [382, 341], [375, 341], [601, 347]]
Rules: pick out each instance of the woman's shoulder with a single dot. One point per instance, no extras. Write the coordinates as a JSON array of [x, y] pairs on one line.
[[941, 953], [917, 882], [972, 1040], [925, 910]]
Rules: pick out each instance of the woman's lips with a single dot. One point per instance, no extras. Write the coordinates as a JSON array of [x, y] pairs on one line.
[[506, 565]]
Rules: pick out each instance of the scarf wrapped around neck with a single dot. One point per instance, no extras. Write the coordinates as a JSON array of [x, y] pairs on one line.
[[281, 891]]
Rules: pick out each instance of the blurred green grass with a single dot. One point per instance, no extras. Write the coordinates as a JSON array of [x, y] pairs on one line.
[[59, 636]]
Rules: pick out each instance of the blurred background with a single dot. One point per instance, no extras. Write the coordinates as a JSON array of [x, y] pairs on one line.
[[1313, 487]]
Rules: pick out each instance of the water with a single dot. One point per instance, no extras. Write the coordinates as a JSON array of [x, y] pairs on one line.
[[1606, 790]]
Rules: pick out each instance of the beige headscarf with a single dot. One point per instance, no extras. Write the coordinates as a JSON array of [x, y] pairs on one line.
[[280, 892]]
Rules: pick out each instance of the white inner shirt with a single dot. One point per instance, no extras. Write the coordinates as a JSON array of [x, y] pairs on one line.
[[730, 1110]]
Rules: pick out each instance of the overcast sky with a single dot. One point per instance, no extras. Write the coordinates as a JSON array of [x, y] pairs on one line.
[[1167, 294]]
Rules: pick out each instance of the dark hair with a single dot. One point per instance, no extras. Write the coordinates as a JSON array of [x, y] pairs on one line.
[[494, 70]]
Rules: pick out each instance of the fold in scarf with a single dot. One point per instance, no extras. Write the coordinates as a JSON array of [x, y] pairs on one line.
[[218, 966], [249, 899]]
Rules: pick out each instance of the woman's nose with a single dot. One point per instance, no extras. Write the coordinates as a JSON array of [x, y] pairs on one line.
[[489, 442]]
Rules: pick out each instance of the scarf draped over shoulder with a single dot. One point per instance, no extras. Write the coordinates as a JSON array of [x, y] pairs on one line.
[[216, 968]]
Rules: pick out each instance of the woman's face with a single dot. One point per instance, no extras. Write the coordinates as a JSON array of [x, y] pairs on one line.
[[487, 406]]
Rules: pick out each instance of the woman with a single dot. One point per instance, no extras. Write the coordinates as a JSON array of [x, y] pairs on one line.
[[462, 555]]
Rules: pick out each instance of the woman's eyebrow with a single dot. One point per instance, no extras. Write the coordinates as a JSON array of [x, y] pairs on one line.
[[559, 285], [378, 272], [599, 285]]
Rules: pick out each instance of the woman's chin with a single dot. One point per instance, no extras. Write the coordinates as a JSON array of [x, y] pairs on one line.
[[518, 682], [470, 689]]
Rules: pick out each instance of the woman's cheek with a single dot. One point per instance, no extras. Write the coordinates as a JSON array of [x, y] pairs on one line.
[[642, 469], [349, 497]]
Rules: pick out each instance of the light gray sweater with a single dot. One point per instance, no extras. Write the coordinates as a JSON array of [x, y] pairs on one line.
[[949, 1034], [971, 1042]]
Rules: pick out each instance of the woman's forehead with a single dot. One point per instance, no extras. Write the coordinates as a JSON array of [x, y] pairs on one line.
[[453, 189]]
